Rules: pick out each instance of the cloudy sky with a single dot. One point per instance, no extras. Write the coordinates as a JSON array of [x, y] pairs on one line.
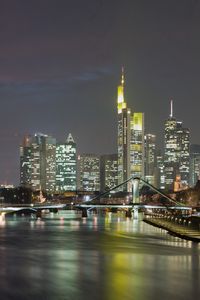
[[60, 64]]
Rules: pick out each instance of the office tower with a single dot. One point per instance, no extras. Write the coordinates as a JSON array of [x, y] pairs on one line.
[[150, 157], [176, 152], [137, 145], [184, 161], [108, 171], [89, 172], [123, 136], [160, 176], [48, 163], [71, 170], [66, 167], [36, 165], [41, 162], [25, 162], [194, 164]]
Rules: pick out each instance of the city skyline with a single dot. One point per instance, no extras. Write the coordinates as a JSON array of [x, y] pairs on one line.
[[61, 76], [51, 166]]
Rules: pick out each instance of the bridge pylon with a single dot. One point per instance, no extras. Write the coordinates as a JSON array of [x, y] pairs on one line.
[[135, 190], [135, 196]]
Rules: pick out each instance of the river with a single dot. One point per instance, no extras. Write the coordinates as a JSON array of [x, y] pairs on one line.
[[64, 256]]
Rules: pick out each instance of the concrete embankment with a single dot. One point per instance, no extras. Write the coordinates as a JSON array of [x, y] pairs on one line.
[[181, 231]]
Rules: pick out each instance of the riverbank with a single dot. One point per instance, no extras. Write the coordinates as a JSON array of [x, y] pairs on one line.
[[181, 231]]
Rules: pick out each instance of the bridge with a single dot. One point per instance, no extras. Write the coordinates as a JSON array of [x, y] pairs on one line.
[[32, 208], [135, 205]]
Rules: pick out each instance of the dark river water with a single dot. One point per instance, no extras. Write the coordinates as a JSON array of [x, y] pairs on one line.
[[63, 256]]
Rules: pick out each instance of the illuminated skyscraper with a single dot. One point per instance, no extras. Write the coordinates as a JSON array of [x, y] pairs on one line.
[[176, 151], [160, 176], [194, 164], [66, 165], [89, 172], [184, 146], [137, 145], [150, 157], [108, 171], [71, 171], [25, 162], [123, 135], [36, 165], [47, 151], [38, 153]]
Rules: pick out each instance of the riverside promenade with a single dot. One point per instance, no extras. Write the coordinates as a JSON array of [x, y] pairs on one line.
[[179, 227]]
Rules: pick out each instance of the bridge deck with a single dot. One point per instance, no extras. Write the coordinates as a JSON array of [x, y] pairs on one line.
[[132, 206]]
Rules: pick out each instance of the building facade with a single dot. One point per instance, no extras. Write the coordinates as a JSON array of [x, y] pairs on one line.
[[194, 164], [37, 162], [25, 161], [137, 145], [89, 172], [123, 139], [160, 174], [130, 140], [66, 165], [150, 158], [108, 171], [176, 152]]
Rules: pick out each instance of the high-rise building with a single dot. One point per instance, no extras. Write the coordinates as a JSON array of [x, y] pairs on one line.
[[160, 176], [137, 145], [66, 169], [48, 163], [108, 171], [194, 164], [184, 156], [176, 152], [25, 162], [123, 136], [35, 162], [150, 157], [130, 140], [38, 165], [89, 172]]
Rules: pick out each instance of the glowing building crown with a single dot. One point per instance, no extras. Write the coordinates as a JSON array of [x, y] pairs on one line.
[[121, 104]]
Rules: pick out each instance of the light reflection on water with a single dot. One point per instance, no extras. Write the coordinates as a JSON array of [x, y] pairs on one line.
[[63, 256]]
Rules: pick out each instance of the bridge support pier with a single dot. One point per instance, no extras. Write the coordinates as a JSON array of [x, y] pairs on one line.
[[2, 216], [128, 213], [135, 190], [54, 210], [39, 213], [135, 213], [84, 213]]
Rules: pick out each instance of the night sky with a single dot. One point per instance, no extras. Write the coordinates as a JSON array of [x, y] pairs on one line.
[[60, 64]]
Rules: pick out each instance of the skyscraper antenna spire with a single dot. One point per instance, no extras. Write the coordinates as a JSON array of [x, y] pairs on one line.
[[122, 81], [171, 108]]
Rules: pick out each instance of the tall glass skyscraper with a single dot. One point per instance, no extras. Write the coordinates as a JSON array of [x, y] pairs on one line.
[[176, 151], [194, 164], [25, 161], [137, 145], [37, 162], [150, 158], [123, 135], [89, 172], [48, 163], [160, 175], [130, 140], [66, 165], [108, 171]]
